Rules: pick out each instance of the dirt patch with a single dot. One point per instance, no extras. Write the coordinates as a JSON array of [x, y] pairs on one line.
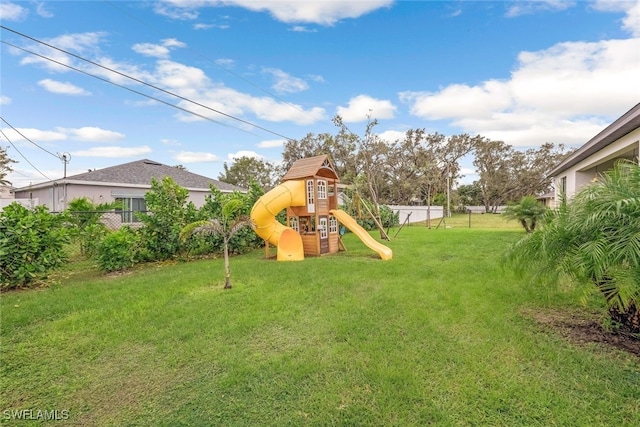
[[583, 327]]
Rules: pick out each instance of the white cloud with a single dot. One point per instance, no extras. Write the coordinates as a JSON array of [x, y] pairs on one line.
[[81, 43], [64, 88], [150, 49], [237, 104], [172, 42], [631, 22], [225, 62], [171, 142], [12, 12], [303, 29], [243, 153], [35, 135], [363, 106], [92, 134], [289, 11], [189, 82], [41, 10], [201, 26], [113, 152], [286, 83], [5, 100], [173, 12], [392, 135], [272, 143], [317, 12], [195, 157], [564, 94], [521, 7]]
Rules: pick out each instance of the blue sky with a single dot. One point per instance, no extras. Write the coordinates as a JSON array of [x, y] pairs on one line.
[[262, 71]]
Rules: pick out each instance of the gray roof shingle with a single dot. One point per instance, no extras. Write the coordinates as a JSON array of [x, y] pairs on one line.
[[141, 172]]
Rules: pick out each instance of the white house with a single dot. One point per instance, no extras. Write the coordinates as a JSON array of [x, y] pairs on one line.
[[619, 140], [126, 183]]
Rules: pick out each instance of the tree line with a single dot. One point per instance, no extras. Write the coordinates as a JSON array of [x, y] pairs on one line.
[[421, 168]]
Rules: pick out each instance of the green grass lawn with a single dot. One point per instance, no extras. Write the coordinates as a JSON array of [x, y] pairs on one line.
[[439, 335]]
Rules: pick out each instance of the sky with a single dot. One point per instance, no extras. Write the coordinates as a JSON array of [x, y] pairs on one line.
[[198, 83]]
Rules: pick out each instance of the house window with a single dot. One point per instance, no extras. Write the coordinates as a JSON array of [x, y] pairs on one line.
[[333, 224], [130, 205], [563, 185], [322, 189], [294, 223]]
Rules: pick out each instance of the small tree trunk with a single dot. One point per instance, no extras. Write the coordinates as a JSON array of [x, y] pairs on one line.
[[227, 268]]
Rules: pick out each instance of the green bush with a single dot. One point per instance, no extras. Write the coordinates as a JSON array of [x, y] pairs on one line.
[[87, 229], [169, 212], [118, 250], [31, 244]]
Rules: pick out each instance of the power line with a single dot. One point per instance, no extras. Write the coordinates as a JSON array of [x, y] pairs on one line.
[[201, 55], [122, 86], [22, 135], [23, 156], [134, 79]]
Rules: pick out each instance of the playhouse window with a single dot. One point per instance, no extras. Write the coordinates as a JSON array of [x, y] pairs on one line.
[[322, 189], [331, 189], [310, 193], [322, 226], [307, 224], [294, 223], [333, 224]]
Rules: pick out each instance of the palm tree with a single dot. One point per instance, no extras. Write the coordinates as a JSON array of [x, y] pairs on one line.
[[594, 239], [528, 212], [226, 226]]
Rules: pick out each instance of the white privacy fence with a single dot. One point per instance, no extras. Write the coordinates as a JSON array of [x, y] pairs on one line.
[[27, 203], [419, 213]]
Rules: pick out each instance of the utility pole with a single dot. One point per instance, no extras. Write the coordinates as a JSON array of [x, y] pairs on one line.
[[66, 158], [448, 191]]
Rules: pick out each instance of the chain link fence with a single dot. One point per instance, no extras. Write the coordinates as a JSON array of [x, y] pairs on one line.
[[113, 220]]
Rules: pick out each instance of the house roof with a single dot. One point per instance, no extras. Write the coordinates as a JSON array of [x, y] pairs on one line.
[[140, 173], [311, 166], [627, 123]]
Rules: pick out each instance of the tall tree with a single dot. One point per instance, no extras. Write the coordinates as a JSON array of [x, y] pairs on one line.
[[5, 166], [507, 174], [245, 169]]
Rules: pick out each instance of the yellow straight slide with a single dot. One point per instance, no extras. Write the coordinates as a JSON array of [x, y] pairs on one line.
[[346, 219]]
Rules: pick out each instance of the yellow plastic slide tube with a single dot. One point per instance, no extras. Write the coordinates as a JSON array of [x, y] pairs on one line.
[[263, 214]]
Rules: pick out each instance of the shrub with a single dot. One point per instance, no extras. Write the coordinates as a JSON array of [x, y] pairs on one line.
[[118, 250], [87, 229], [169, 212], [31, 244]]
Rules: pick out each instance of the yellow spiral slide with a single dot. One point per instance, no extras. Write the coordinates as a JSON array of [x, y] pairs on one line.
[[263, 214]]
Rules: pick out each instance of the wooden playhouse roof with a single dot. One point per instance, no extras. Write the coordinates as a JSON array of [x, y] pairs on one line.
[[311, 166]]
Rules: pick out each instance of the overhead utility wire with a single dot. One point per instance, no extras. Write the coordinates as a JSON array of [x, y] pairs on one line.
[[136, 80], [22, 135], [122, 86], [201, 55], [23, 156]]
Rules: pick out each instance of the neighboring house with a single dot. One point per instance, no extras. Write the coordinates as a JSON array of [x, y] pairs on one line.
[[619, 140], [548, 199], [6, 192], [126, 183]]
